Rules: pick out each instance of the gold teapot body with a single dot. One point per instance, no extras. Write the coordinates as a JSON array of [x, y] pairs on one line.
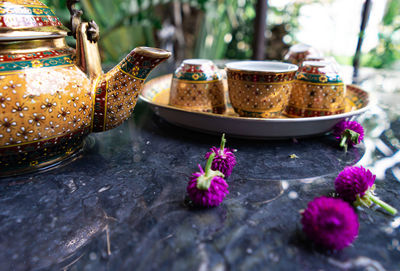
[[53, 96]]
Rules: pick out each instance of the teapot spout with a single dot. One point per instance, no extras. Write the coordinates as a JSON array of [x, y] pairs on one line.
[[117, 91]]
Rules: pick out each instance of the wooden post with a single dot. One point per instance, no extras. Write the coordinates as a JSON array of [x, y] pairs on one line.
[[364, 21], [260, 23]]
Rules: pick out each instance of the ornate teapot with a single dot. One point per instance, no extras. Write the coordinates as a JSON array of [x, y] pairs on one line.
[[52, 96]]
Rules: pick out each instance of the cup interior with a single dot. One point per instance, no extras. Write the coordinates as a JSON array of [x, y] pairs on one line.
[[262, 66]]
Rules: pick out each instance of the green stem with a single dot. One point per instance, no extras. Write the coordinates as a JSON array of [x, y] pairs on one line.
[[223, 141], [383, 204], [204, 181], [343, 142], [209, 163], [349, 135]]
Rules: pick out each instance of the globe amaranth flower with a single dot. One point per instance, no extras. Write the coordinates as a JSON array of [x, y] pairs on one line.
[[330, 223], [356, 185], [349, 133], [224, 160], [207, 188]]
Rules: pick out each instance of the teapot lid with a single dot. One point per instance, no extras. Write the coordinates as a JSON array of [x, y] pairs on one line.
[[27, 20]]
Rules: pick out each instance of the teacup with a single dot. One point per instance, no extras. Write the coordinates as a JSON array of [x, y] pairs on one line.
[[318, 91], [301, 52], [197, 86], [260, 89]]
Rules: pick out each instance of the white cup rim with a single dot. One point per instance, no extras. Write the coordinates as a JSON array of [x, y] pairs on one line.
[[197, 62], [262, 66], [300, 48], [314, 63]]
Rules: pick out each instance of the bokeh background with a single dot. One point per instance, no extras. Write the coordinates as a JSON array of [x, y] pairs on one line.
[[217, 29]]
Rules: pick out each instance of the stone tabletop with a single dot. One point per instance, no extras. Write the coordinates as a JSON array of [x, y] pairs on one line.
[[122, 204]]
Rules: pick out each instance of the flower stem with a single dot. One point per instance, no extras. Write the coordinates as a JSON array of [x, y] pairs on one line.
[[349, 136], [204, 180], [383, 204], [223, 141], [209, 163], [343, 142]]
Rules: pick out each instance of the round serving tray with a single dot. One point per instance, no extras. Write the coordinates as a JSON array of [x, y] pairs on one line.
[[156, 94]]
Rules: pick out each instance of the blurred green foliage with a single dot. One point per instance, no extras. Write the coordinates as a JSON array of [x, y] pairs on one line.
[[122, 25], [227, 31], [223, 29], [387, 53]]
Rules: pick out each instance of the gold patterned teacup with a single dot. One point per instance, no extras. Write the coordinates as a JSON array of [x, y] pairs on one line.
[[318, 91], [260, 89], [197, 86]]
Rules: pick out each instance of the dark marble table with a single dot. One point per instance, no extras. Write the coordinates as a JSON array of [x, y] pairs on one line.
[[122, 205]]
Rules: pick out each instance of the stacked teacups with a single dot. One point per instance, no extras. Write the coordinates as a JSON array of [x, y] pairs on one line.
[[318, 91], [197, 86], [301, 52]]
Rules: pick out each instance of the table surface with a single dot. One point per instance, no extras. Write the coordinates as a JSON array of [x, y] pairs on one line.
[[122, 205]]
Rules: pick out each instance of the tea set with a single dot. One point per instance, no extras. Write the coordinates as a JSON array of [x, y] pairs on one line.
[[52, 96], [300, 97], [263, 89]]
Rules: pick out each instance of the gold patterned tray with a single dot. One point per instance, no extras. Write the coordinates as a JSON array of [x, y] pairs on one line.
[[156, 94]]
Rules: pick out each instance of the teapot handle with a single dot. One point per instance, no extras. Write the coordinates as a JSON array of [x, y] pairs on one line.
[[92, 30]]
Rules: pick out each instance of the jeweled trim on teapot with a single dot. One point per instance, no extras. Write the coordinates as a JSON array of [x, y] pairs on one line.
[[137, 66], [45, 141], [26, 10], [15, 156], [34, 60], [23, 2], [27, 16], [28, 21], [99, 111], [34, 55]]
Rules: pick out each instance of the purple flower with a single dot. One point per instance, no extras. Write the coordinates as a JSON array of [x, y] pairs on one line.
[[356, 185], [353, 182], [207, 188], [342, 126], [224, 160], [349, 133], [330, 223]]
